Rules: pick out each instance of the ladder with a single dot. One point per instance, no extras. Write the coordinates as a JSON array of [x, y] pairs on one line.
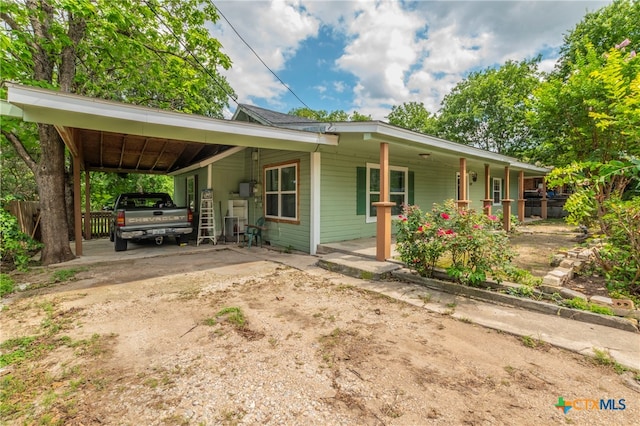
[[207, 225]]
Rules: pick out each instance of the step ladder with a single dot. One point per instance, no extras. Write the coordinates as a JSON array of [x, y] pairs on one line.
[[207, 224]]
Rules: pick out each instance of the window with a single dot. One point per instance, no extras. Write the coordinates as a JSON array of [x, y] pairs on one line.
[[497, 191], [281, 192], [398, 189]]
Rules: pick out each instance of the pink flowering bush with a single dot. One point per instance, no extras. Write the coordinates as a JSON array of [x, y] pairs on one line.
[[473, 243]]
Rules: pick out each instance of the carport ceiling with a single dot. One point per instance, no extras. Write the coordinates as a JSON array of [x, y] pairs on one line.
[[126, 153]]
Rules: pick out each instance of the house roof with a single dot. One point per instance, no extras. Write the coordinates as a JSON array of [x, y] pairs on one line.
[[119, 137], [379, 131]]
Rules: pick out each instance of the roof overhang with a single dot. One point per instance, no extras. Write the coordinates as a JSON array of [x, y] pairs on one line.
[[382, 132], [176, 140]]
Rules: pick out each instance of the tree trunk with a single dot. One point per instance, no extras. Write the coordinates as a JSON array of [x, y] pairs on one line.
[[50, 176]]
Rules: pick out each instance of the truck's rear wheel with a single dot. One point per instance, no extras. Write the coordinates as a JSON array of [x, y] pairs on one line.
[[178, 239], [120, 244]]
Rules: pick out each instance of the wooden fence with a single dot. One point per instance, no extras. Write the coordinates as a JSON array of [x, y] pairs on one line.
[[99, 224], [28, 215]]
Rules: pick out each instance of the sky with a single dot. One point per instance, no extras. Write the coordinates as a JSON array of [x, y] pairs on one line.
[[368, 56]]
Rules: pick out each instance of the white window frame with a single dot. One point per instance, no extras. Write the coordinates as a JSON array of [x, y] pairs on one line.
[[493, 191], [370, 166], [280, 192]]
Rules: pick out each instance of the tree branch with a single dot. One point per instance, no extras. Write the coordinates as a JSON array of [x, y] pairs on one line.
[[22, 152]]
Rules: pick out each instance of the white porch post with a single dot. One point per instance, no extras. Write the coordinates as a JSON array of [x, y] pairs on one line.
[[314, 217]]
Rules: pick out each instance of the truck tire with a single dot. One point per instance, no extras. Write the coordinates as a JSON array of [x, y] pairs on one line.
[[159, 241], [178, 239], [111, 238], [120, 245]]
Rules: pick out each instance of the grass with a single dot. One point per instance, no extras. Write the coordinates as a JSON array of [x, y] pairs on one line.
[[581, 304], [7, 285], [232, 315], [604, 358], [533, 343], [27, 391]]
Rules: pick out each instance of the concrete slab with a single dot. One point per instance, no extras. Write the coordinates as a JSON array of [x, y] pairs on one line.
[[357, 266]]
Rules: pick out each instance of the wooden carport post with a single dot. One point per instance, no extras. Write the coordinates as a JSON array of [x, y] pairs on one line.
[[383, 208], [87, 205]]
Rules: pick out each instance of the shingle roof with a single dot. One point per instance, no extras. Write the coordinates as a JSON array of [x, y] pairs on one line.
[[268, 117]]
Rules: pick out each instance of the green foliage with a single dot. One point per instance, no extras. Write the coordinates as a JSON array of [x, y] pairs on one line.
[[592, 115], [7, 284], [594, 186], [517, 275], [413, 116], [583, 305], [16, 247], [471, 241], [324, 116], [619, 256], [105, 187], [601, 30], [62, 275], [488, 108]]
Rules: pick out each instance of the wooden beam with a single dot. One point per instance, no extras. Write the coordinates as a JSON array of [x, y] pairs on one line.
[[383, 208], [146, 141], [67, 135], [77, 210], [488, 200], [164, 147]]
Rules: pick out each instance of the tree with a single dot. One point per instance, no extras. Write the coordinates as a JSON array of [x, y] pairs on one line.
[[106, 186], [413, 116], [154, 53], [601, 30], [488, 108], [324, 116]]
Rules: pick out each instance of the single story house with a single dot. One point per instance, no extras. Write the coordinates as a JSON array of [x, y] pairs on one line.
[[314, 182]]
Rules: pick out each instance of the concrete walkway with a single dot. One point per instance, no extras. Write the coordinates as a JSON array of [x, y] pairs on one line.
[[577, 336]]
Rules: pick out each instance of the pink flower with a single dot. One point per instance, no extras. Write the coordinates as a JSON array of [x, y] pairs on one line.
[[624, 43], [476, 226], [444, 216], [450, 232], [419, 228], [492, 217], [404, 219], [441, 232]]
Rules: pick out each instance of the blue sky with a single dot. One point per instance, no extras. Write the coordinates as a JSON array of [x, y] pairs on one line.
[[370, 55]]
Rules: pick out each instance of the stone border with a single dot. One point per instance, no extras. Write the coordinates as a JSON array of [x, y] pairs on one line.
[[506, 299]]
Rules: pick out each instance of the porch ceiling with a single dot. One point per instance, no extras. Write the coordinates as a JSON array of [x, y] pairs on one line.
[[127, 153]]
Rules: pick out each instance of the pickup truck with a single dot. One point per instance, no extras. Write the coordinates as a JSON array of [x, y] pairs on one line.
[[140, 216]]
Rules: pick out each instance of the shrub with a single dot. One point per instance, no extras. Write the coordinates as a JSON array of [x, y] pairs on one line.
[[473, 243], [16, 247], [619, 256]]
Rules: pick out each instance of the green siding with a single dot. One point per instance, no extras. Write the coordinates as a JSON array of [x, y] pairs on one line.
[[289, 234]]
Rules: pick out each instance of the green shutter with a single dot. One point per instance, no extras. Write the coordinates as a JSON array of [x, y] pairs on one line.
[[361, 191], [411, 188]]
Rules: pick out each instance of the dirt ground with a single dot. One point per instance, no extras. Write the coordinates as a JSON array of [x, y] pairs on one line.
[[146, 343]]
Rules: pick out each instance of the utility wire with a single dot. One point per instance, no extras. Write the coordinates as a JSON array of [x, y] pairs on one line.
[[200, 64], [258, 56]]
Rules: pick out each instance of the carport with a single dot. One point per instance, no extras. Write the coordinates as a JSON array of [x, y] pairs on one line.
[[116, 137]]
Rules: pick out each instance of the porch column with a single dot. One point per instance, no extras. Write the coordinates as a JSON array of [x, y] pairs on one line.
[[506, 202], [486, 203], [77, 210], [314, 232], [383, 208], [521, 196], [87, 206], [543, 202], [463, 203]]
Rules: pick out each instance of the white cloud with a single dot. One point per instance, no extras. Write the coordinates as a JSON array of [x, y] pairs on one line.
[[395, 51]]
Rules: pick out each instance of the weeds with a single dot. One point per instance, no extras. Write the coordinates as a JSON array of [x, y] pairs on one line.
[[7, 285], [233, 315], [604, 358], [581, 304]]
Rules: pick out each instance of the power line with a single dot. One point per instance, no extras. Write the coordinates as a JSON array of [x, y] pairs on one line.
[[200, 64], [257, 56]]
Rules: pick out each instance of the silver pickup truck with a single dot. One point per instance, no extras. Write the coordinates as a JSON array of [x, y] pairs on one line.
[[140, 216]]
